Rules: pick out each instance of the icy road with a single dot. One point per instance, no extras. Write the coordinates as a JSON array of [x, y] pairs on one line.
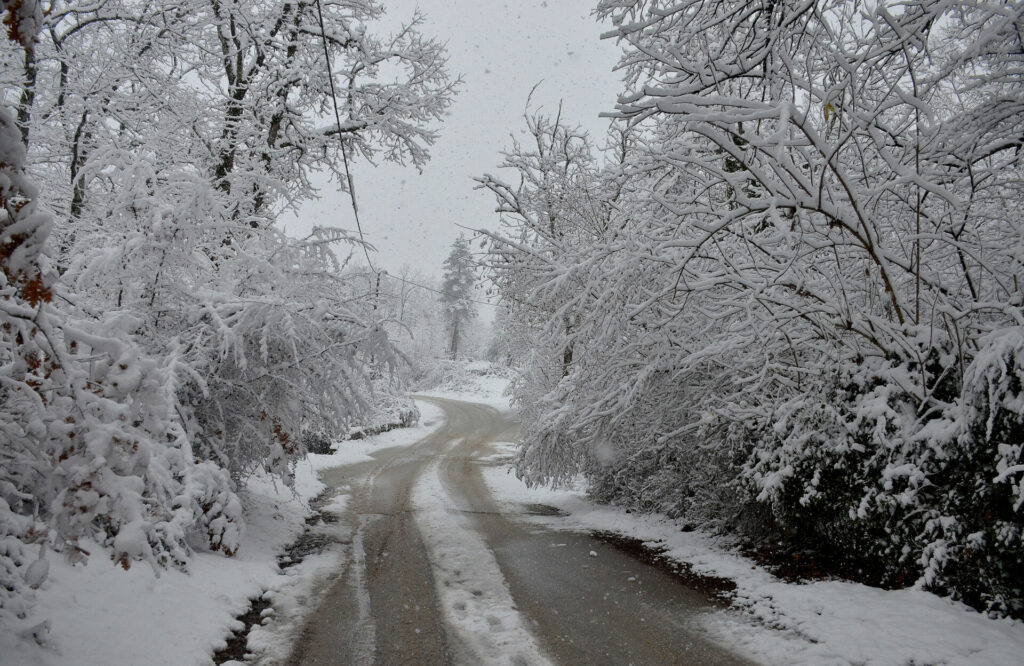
[[439, 574]]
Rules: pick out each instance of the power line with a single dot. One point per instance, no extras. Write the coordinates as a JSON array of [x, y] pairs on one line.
[[348, 171], [341, 138], [436, 291]]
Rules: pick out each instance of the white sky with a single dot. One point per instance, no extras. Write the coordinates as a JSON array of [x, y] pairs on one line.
[[502, 49]]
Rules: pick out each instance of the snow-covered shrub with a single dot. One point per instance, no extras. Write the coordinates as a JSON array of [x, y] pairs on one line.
[[97, 451], [896, 472], [270, 346], [286, 363], [994, 407], [651, 461], [449, 375], [391, 409], [91, 445], [17, 534], [679, 479], [974, 537], [207, 493], [551, 451], [842, 472], [26, 354]]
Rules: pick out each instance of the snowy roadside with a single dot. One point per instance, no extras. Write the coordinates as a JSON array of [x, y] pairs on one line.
[[775, 622], [100, 614], [481, 387]]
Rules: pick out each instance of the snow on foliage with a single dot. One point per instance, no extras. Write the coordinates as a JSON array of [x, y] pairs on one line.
[[457, 292], [162, 341], [785, 299]]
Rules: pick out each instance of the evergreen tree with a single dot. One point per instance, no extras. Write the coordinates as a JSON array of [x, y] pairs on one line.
[[458, 291]]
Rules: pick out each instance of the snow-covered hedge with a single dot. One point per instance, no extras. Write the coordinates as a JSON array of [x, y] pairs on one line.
[[883, 482], [92, 444]]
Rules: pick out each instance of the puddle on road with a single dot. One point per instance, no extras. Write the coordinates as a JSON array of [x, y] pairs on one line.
[[716, 588], [543, 510]]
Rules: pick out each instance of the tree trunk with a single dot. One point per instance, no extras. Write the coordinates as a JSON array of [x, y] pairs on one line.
[[455, 341], [28, 93]]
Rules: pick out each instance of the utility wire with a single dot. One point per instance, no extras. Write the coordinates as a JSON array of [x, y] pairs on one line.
[[348, 171], [341, 139], [436, 291]]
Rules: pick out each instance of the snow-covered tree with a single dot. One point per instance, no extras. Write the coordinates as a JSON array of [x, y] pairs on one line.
[[417, 324], [170, 196], [92, 449], [167, 340], [458, 283], [559, 207], [808, 271]]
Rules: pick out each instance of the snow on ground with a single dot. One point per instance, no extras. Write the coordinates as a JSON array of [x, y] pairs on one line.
[[478, 382], [474, 595], [352, 451], [774, 622], [292, 594], [100, 614]]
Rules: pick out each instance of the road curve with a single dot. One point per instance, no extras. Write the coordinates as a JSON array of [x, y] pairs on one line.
[[582, 608]]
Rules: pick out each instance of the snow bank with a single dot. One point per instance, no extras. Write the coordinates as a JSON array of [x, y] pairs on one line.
[[100, 614], [479, 382], [774, 622], [353, 451]]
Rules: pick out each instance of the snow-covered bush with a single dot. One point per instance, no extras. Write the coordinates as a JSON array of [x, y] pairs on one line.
[[974, 538], [898, 488], [266, 333], [92, 446], [460, 376], [96, 452], [25, 288], [848, 466], [391, 409]]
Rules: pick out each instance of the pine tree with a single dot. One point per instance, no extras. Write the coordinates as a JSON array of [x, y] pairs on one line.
[[458, 291]]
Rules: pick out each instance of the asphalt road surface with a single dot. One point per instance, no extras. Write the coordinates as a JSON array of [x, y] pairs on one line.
[[580, 608]]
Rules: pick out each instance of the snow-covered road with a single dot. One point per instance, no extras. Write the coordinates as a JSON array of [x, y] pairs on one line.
[[438, 573]]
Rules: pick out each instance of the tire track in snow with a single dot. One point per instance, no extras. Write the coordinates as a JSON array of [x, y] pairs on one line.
[[365, 631], [474, 595]]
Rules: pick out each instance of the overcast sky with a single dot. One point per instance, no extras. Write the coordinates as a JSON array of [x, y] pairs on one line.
[[502, 49]]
